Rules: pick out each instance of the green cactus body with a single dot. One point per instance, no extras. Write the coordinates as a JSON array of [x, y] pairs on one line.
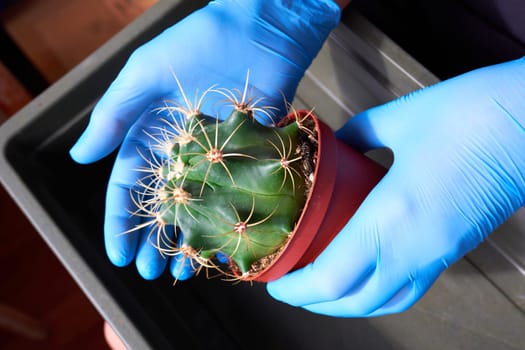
[[236, 187]]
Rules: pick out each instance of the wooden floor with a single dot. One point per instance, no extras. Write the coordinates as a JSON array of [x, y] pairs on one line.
[[55, 35]]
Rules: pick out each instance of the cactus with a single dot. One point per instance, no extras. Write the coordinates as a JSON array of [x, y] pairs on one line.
[[234, 188]]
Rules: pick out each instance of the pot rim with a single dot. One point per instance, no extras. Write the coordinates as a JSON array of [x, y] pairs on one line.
[[317, 201]]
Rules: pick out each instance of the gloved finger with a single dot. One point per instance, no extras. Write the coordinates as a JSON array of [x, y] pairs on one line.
[[120, 244], [119, 108], [348, 261], [150, 260], [390, 289], [323, 280], [183, 267], [362, 301], [411, 292], [123, 222], [222, 258], [349, 265]]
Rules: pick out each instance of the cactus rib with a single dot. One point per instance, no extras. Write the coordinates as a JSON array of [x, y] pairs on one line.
[[234, 187]]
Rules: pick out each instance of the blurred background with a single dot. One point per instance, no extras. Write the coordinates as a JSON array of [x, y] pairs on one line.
[[40, 41]]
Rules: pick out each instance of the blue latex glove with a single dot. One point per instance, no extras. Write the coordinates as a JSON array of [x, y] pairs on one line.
[[458, 173], [275, 40]]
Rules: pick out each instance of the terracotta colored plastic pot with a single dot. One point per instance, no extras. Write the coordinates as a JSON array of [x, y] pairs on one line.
[[342, 179]]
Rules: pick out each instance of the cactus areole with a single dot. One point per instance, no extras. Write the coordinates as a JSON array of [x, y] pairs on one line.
[[242, 195]]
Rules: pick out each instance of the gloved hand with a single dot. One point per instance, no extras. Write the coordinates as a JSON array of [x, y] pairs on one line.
[[274, 40], [458, 173]]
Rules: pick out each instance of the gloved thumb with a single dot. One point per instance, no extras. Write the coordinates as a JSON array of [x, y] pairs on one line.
[[389, 124]]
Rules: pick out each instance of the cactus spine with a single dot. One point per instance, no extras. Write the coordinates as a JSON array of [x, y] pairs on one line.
[[234, 188]]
